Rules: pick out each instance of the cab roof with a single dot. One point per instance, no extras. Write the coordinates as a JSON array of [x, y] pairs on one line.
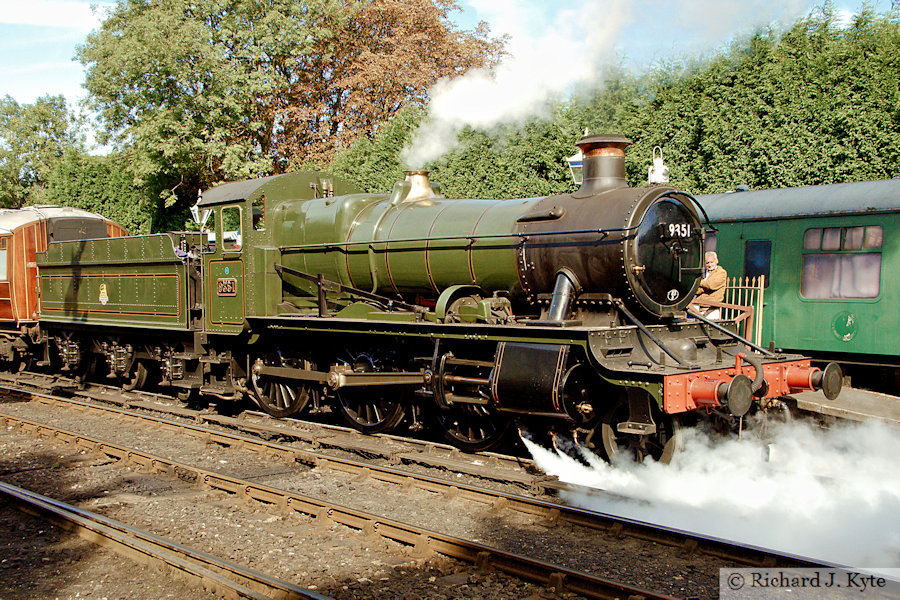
[[300, 185]]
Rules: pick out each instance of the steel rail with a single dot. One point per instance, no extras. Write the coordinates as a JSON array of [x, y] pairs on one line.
[[551, 512], [421, 539], [484, 465], [219, 576]]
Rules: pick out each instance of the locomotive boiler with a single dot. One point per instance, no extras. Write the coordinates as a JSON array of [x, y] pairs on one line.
[[566, 312]]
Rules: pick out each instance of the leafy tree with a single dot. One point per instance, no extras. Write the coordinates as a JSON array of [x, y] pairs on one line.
[[818, 104], [208, 90], [32, 137], [102, 184], [380, 56], [514, 163], [373, 162]]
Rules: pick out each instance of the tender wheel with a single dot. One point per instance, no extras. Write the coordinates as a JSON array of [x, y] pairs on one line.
[[189, 396], [371, 410], [660, 446], [86, 369], [473, 427], [139, 377], [279, 398]]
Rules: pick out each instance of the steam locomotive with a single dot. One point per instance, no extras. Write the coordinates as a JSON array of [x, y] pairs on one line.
[[568, 313]]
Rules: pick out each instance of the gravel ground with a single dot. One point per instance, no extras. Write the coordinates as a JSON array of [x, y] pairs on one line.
[[335, 561]]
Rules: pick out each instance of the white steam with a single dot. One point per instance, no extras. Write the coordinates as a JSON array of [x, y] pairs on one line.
[[555, 48], [540, 68], [829, 494]]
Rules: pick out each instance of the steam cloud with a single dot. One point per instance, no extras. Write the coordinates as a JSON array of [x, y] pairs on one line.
[[539, 69], [829, 494], [548, 60]]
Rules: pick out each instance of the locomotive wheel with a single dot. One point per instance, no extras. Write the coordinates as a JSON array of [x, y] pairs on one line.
[[279, 398], [371, 410], [473, 427], [660, 446]]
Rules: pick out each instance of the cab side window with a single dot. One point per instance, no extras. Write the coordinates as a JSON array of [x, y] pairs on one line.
[[231, 228], [259, 213], [209, 232]]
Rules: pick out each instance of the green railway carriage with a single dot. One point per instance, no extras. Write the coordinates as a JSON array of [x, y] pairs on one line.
[[830, 255], [567, 311]]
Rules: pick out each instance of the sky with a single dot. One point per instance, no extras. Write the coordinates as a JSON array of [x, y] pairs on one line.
[[38, 38]]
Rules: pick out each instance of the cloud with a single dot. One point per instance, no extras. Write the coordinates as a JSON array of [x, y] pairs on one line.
[[52, 13]]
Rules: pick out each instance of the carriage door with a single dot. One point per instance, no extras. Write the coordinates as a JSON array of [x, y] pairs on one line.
[[224, 285], [758, 249], [6, 308]]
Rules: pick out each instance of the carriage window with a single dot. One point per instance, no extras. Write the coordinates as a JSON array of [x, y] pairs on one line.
[[3, 275], [231, 228], [873, 237], [812, 239], [757, 258], [831, 238], [853, 238], [845, 262], [710, 241]]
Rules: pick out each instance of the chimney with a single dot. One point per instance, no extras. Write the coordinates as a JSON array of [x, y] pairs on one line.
[[603, 164]]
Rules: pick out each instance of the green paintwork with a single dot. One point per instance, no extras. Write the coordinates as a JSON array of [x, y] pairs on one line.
[[224, 293], [404, 248], [137, 281], [818, 325]]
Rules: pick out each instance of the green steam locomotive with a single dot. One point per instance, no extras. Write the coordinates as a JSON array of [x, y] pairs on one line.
[[567, 313]]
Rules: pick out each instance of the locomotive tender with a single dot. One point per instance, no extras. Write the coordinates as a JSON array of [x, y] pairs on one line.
[[567, 312]]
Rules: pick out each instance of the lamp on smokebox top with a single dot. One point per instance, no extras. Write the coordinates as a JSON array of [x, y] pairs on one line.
[[657, 174]]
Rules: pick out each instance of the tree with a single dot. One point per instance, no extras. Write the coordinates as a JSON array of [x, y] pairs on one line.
[[381, 56], [32, 137], [817, 104], [204, 91], [102, 184]]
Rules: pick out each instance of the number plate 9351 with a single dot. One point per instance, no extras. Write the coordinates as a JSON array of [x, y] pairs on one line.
[[678, 230], [226, 286]]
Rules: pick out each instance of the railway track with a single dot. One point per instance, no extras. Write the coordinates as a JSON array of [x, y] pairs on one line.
[[221, 577], [420, 539], [515, 470], [549, 513]]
